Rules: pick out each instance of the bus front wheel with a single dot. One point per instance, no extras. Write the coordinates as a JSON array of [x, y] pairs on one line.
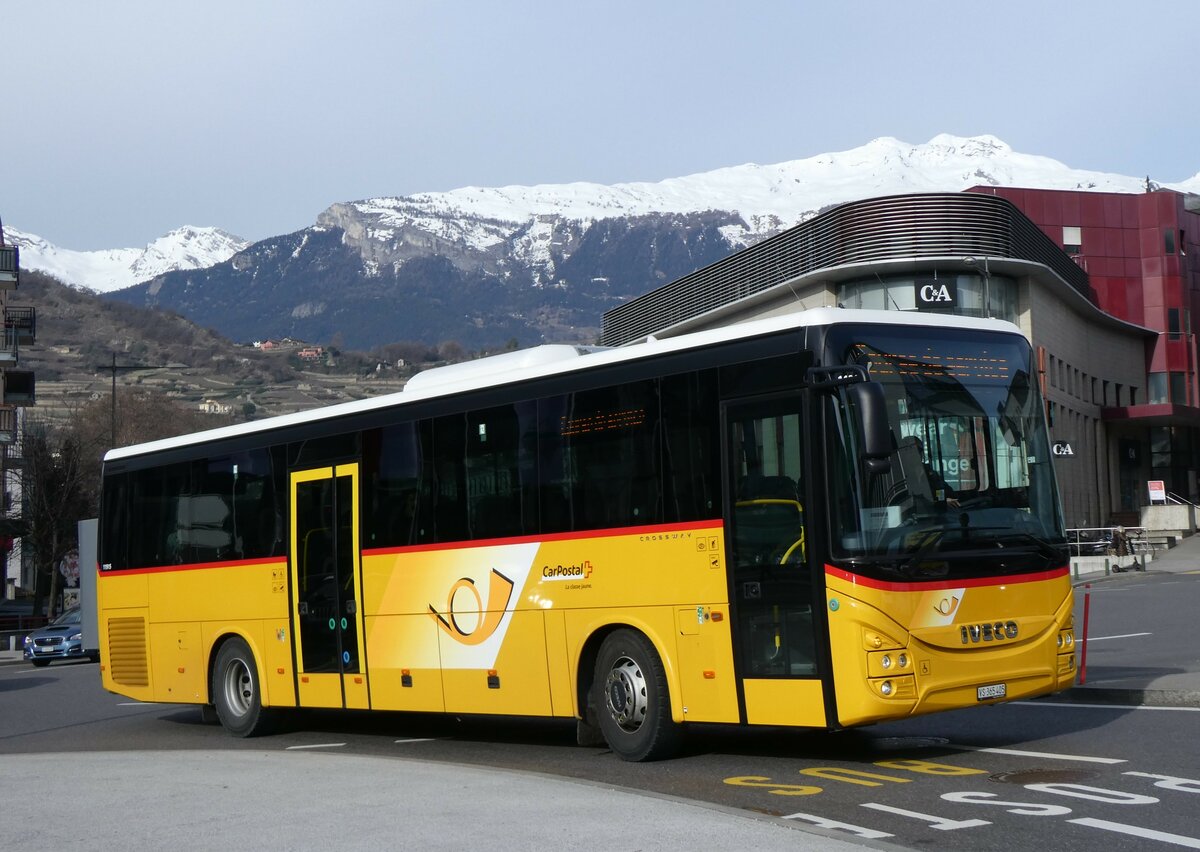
[[236, 692], [632, 700]]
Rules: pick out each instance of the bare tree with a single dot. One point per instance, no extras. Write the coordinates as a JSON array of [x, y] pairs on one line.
[[61, 481], [54, 500]]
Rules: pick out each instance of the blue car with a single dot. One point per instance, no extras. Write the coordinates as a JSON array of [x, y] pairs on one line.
[[58, 640]]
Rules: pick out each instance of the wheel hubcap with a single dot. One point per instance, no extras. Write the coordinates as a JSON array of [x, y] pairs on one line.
[[239, 688], [626, 691]]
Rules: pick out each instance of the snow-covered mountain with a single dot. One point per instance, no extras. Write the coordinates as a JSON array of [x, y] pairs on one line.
[[113, 269], [541, 263], [389, 230], [766, 198]]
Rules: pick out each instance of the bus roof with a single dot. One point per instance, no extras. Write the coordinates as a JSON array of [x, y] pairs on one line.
[[554, 359]]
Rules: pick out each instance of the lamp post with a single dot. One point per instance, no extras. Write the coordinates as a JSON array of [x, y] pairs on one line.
[[114, 367]]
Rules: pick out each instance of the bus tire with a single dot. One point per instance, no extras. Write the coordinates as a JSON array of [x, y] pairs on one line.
[[632, 699], [236, 692]]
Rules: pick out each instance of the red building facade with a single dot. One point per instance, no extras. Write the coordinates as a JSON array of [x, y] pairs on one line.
[[1140, 253]]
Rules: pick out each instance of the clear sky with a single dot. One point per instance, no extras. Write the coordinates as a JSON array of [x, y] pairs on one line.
[[122, 120]]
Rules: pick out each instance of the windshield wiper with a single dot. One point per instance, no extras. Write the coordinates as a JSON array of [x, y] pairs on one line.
[[1044, 546], [909, 567]]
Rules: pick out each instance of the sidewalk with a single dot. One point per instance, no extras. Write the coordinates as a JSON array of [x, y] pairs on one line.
[[1155, 667], [221, 799]]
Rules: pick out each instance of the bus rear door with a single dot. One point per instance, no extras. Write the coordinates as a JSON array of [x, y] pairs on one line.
[[327, 587]]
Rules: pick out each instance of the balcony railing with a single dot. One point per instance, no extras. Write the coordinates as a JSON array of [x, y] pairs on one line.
[[23, 322], [8, 347], [10, 265]]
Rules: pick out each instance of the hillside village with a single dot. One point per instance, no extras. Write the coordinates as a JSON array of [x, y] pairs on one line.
[[81, 337]]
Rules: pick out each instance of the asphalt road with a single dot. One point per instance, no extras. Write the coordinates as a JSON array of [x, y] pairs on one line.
[[1056, 773]]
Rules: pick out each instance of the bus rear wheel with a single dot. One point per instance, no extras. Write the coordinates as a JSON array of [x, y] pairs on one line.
[[236, 691], [632, 699]]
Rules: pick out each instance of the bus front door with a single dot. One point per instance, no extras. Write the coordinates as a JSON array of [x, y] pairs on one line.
[[327, 588], [771, 581]]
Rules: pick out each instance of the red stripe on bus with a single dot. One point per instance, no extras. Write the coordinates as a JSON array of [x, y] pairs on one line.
[[658, 529], [1008, 580], [459, 545], [195, 566]]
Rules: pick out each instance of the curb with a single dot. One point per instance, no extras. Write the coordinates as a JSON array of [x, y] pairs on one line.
[[1125, 697]]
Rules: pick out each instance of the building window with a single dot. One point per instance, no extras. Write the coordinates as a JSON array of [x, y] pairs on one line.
[[1072, 239], [970, 291], [1169, 240], [1160, 447], [1158, 388], [1179, 388], [1173, 329]]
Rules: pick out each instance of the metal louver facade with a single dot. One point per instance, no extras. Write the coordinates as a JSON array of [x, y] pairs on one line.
[[899, 227]]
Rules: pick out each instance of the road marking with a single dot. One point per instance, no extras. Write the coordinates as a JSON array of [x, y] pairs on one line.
[[936, 822], [1121, 636], [822, 822], [417, 740], [1138, 831], [1045, 754], [315, 745], [1121, 707]]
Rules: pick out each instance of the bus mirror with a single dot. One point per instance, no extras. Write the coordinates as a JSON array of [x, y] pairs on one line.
[[875, 436]]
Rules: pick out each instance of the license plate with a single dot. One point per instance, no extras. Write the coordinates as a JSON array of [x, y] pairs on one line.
[[995, 690]]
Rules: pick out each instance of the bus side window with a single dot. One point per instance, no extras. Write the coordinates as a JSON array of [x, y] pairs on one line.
[[114, 529], [392, 466], [155, 496], [691, 447], [449, 470], [600, 458], [554, 466], [611, 445], [500, 501]]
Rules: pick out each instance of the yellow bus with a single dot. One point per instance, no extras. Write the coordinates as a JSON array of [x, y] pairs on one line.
[[822, 520]]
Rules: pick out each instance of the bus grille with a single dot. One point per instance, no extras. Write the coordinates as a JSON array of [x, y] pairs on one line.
[[127, 651]]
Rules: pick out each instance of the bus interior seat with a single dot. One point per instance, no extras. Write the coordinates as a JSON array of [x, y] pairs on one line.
[[768, 521]]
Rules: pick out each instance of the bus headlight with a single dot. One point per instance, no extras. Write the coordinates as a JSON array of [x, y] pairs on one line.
[[886, 662], [885, 688], [902, 661]]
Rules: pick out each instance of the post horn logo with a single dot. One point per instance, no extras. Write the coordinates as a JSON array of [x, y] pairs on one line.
[[499, 592], [946, 606]]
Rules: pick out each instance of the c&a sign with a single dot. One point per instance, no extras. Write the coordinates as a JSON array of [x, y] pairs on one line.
[[935, 293]]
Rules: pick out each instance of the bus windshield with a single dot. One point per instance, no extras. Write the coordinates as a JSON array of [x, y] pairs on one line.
[[970, 471]]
